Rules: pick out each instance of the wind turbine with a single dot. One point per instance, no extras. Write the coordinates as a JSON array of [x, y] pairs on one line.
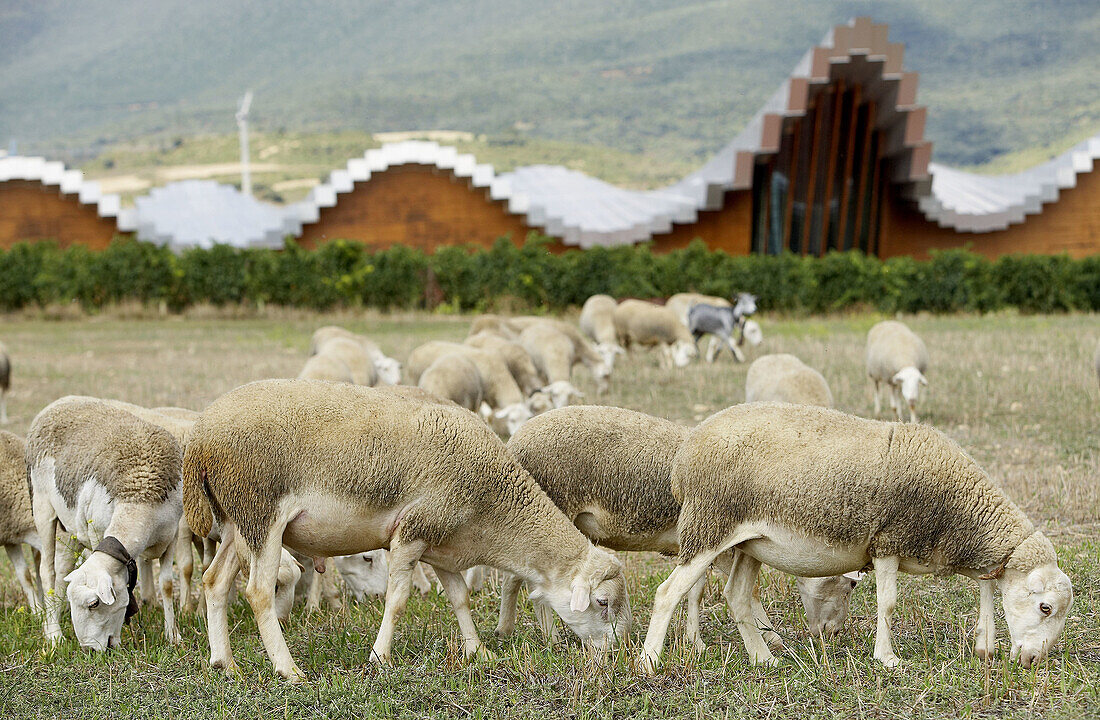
[[242, 126]]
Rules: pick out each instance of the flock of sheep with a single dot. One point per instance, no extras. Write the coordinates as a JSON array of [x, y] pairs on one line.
[[277, 478]]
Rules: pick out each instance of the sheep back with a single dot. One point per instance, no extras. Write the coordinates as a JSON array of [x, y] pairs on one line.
[[892, 346], [785, 378], [642, 323], [456, 378], [16, 520], [906, 487], [597, 321]]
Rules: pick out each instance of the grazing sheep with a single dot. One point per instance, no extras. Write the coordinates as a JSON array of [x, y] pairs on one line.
[[554, 354], [896, 358], [326, 367], [366, 574], [334, 470], [5, 383], [681, 303], [519, 362], [608, 470], [509, 407], [597, 322], [721, 322], [785, 378], [114, 481], [645, 324], [456, 378], [812, 491], [494, 323], [16, 520], [351, 354], [598, 362], [388, 370]]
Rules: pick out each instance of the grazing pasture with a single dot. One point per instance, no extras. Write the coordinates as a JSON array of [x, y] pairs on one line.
[[1018, 392]]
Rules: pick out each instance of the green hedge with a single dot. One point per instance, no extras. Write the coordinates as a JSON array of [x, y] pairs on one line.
[[345, 274]]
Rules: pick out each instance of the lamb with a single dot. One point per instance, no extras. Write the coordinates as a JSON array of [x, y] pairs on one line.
[[598, 323], [16, 520], [423, 478], [599, 362], [721, 322], [114, 481], [607, 469], [456, 378], [897, 358], [554, 354], [326, 367], [681, 303], [785, 378], [813, 491], [351, 354], [5, 383], [518, 360], [499, 388], [645, 324], [387, 369]]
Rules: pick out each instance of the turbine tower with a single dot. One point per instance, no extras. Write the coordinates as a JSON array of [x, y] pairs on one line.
[[242, 126]]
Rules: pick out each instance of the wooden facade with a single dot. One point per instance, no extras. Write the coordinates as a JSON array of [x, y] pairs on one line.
[[31, 211]]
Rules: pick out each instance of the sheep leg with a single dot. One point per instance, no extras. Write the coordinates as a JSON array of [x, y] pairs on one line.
[[694, 608], [185, 562], [46, 524], [217, 581], [420, 580], [886, 585], [3, 407], [23, 574], [403, 558], [454, 585], [669, 595], [664, 356], [329, 592], [209, 547], [713, 348], [509, 598], [738, 591], [724, 563], [547, 621], [146, 588], [736, 351], [313, 599], [899, 403], [263, 574], [171, 630], [985, 644]]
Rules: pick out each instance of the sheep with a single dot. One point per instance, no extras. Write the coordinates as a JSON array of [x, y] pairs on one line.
[[607, 469], [16, 521], [5, 383], [351, 354], [494, 323], [326, 367], [518, 360], [896, 357], [387, 369], [750, 331], [785, 378], [681, 303], [365, 574], [509, 407], [423, 478], [598, 362], [721, 322], [598, 323], [812, 491], [456, 378], [114, 481], [645, 324], [554, 354]]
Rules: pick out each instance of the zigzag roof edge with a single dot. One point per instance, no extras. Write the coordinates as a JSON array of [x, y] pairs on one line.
[[69, 182]]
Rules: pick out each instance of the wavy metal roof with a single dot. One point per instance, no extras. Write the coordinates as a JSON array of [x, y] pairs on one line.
[[68, 182]]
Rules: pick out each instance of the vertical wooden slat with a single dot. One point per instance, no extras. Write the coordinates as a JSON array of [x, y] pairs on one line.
[[792, 170], [875, 195], [848, 160], [830, 169], [811, 178], [868, 130]]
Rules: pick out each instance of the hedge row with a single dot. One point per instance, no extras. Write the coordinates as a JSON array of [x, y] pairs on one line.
[[346, 274]]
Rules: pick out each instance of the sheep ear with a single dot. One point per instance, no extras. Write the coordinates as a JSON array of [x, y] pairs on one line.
[[105, 590], [580, 600]]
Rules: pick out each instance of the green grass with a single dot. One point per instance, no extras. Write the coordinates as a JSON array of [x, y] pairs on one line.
[[1018, 392]]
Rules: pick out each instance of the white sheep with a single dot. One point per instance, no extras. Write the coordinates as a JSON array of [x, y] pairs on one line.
[[455, 377], [608, 470], [366, 574], [326, 367], [114, 481], [16, 521], [598, 323], [648, 325], [5, 383], [896, 359], [785, 378], [352, 355], [423, 478], [554, 354], [599, 362], [388, 369], [518, 360], [812, 491]]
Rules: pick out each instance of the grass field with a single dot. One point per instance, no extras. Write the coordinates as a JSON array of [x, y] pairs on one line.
[[1019, 393]]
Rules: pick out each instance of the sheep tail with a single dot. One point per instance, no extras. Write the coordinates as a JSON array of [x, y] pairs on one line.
[[198, 502]]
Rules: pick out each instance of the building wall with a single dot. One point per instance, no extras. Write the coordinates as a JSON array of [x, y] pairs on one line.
[[728, 229], [32, 211], [418, 206], [1070, 225]]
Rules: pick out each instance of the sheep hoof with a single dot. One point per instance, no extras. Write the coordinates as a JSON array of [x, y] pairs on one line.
[[504, 633], [776, 644], [645, 664], [294, 676], [890, 661], [482, 653], [766, 661], [380, 659], [173, 636], [700, 646]]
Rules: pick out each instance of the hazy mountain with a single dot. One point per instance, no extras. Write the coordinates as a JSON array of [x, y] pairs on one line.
[[666, 78]]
